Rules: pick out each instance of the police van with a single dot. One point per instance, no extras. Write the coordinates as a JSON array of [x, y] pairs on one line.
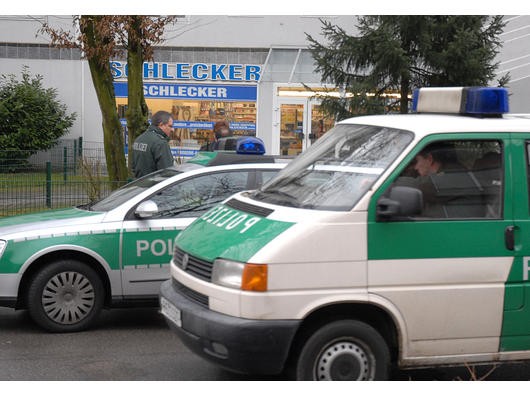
[[65, 265], [394, 241]]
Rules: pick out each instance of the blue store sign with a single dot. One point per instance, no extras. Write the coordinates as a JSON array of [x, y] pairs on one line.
[[192, 71], [243, 93]]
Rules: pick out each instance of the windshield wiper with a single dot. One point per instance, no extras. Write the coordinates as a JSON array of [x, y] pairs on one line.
[[86, 206], [289, 200], [189, 208]]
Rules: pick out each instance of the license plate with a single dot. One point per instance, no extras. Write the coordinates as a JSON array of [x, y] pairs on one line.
[[170, 311]]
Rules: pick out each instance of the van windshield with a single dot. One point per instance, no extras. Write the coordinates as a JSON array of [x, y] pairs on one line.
[[336, 171]]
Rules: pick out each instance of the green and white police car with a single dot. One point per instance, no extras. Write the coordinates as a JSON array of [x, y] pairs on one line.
[[394, 240], [65, 265]]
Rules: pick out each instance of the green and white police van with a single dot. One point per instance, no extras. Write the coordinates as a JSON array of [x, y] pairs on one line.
[[394, 241], [65, 265]]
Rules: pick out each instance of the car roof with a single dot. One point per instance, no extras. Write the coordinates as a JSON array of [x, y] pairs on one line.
[[426, 124], [192, 168], [216, 158]]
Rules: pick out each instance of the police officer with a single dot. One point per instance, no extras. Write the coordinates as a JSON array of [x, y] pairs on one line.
[[150, 150]]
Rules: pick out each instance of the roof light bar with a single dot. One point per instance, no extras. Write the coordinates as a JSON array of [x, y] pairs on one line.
[[250, 145], [481, 101], [241, 145]]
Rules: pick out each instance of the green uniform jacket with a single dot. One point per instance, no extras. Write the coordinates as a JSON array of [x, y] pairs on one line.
[[151, 152]]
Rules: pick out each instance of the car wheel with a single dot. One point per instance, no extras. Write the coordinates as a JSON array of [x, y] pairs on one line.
[[65, 296], [345, 350]]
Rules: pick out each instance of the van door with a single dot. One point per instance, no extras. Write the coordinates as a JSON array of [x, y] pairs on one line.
[[439, 245], [516, 324]]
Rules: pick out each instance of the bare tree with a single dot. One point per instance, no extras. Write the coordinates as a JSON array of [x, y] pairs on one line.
[[102, 38]]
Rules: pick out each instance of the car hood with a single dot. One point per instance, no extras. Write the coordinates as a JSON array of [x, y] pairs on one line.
[[47, 221]]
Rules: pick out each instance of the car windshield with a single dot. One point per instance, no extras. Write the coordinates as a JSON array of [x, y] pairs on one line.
[[335, 172], [130, 190]]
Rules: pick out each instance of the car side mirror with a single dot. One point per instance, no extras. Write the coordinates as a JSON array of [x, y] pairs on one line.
[[401, 203], [146, 209]]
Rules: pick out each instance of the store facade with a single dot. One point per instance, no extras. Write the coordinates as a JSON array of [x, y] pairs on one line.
[[197, 96], [253, 98]]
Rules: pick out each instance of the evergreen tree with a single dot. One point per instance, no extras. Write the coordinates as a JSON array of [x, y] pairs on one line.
[[395, 54], [32, 118]]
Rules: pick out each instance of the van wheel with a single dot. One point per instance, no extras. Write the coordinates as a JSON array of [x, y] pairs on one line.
[[65, 296], [345, 350]]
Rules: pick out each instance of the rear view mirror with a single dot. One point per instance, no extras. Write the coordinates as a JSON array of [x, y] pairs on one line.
[[146, 209], [402, 202]]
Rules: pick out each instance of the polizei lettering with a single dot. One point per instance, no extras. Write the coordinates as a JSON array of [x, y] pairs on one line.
[[157, 247], [230, 219]]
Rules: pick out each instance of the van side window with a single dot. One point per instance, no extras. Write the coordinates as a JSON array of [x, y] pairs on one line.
[[448, 180]]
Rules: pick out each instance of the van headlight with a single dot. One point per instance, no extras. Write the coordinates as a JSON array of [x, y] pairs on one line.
[[242, 276], [3, 245]]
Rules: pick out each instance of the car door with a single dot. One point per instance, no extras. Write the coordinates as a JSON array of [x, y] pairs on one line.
[[446, 274], [147, 244]]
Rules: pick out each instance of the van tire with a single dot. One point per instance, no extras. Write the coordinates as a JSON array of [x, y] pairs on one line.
[[344, 350], [65, 296]]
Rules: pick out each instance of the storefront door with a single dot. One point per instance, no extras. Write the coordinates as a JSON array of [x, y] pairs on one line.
[[301, 122]]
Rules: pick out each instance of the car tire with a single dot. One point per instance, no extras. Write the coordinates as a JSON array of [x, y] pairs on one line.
[[65, 296], [344, 350]]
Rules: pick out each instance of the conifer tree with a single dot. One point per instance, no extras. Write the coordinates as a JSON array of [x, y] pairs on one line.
[[396, 54]]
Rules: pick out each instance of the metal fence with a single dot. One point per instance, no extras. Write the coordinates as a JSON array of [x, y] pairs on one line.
[[65, 176]]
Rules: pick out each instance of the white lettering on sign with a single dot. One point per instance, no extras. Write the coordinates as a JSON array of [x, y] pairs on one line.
[[230, 219], [176, 91], [191, 71], [526, 267], [156, 247]]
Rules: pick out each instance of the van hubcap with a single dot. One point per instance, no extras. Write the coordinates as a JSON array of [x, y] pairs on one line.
[[343, 361]]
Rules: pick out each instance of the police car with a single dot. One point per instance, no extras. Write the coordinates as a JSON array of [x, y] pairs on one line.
[[65, 265], [395, 240]]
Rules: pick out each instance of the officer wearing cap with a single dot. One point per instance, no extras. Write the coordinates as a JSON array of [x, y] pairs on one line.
[[150, 150]]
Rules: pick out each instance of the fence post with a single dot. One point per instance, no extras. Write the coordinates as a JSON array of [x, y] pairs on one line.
[[65, 163], [48, 184], [75, 156]]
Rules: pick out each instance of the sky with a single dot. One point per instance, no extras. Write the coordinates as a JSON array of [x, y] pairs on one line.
[[269, 7]]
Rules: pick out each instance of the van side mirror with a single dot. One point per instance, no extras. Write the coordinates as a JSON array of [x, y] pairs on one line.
[[401, 203], [146, 209]]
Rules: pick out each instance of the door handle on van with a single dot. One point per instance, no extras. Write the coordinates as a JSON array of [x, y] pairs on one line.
[[509, 237]]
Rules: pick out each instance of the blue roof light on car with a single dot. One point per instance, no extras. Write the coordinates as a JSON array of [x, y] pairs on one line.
[[250, 145], [478, 101]]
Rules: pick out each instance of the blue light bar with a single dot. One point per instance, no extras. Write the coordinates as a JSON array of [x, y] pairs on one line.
[[486, 101], [250, 145], [482, 101]]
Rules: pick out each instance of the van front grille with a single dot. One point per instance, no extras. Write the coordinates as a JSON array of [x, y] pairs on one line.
[[197, 267]]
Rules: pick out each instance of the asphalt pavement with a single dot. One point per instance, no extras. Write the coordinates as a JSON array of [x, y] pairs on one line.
[[137, 345]]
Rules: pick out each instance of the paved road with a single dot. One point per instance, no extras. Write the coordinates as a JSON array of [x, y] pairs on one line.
[[136, 344], [128, 344]]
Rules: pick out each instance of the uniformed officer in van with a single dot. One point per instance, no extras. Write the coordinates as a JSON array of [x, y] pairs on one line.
[[150, 150]]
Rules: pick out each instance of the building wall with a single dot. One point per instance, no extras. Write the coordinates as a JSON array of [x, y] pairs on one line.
[[514, 58], [270, 40]]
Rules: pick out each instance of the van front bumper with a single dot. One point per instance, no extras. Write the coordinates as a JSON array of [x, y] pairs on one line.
[[240, 345]]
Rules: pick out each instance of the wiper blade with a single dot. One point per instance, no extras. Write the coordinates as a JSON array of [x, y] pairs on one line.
[[279, 192], [194, 208]]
